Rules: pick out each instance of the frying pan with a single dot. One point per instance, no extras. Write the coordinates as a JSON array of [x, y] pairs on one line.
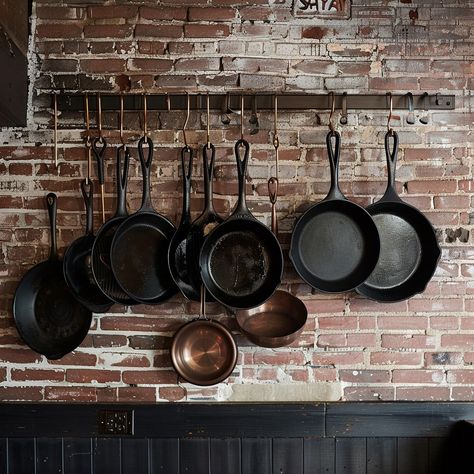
[[335, 244], [178, 256], [241, 259], [48, 317], [203, 352], [409, 250], [201, 227], [139, 252], [100, 256], [77, 262], [280, 320]]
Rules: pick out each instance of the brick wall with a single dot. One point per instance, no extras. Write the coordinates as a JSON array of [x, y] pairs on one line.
[[421, 349]]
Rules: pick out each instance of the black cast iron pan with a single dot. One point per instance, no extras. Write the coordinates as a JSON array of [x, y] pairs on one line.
[[139, 252], [335, 244], [204, 224], [241, 259], [48, 317], [77, 262], [101, 267], [178, 257], [409, 250]]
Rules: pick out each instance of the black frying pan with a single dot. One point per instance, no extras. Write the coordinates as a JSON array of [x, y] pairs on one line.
[[178, 256], [139, 252], [203, 225], [48, 317], [241, 259], [101, 267], [77, 262], [409, 250], [335, 244]]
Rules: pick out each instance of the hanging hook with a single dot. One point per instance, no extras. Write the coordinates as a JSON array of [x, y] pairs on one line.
[[121, 122], [187, 119], [99, 118], [333, 108], [208, 123], [168, 102], [145, 120], [276, 139], [88, 139], [56, 130], [242, 117], [390, 113], [343, 119]]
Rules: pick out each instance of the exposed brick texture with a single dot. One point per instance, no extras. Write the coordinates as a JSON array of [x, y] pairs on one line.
[[416, 350]]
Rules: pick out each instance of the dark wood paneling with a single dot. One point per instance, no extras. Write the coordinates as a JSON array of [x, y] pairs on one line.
[[288, 456], [107, 455], [49, 456], [382, 456], [21, 456], [350, 456], [194, 456], [395, 419], [413, 456], [164, 456], [77, 455], [135, 456], [256, 456], [225, 456], [319, 455]]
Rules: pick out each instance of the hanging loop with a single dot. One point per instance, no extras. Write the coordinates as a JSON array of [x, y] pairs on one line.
[[276, 139], [390, 113], [121, 122], [99, 118], [333, 108], [56, 130], [88, 139], [241, 118], [208, 138], [187, 119], [145, 118]]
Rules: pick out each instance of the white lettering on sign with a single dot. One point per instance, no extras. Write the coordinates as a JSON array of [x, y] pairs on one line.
[[322, 8]]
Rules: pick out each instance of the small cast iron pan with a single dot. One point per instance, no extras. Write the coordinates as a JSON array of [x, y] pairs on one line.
[[335, 244], [203, 225], [281, 319], [409, 250], [101, 266], [241, 259], [77, 262], [48, 317], [178, 256], [204, 352], [139, 252]]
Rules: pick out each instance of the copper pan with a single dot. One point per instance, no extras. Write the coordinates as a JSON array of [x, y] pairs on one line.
[[204, 352], [280, 320]]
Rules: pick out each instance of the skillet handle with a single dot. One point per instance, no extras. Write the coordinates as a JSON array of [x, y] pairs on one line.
[[186, 154], [52, 204], [242, 145], [208, 168], [273, 195], [334, 154], [87, 189], [391, 153], [146, 170], [99, 145], [122, 177]]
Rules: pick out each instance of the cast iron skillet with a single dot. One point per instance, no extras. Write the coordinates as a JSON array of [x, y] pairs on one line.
[[178, 256], [203, 225], [101, 268], [139, 252], [241, 259], [335, 244], [409, 250], [77, 262], [48, 317]]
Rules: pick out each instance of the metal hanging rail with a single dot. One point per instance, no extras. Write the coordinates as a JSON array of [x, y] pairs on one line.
[[230, 102]]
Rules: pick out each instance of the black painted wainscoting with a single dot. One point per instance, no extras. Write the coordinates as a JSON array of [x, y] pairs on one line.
[[330, 438]]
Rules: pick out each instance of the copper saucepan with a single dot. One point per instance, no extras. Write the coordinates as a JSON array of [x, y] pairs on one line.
[[204, 352], [280, 320]]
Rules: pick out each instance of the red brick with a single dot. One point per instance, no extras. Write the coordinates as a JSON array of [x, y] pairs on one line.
[[338, 358], [60, 30], [100, 66], [423, 393], [30, 394], [155, 65], [364, 376], [402, 322], [108, 31], [206, 31], [19, 356], [92, 376], [112, 11], [396, 358], [443, 358], [163, 13], [409, 376], [462, 394], [211, 14], [337, 323], [278, 358], [37, 374], [315, 32], [324, 375], [368, 393], [148, 377], [408, 341], [59, 13], [136, 394], [172, 394], [129, 323], [159, 31], [70, 394]]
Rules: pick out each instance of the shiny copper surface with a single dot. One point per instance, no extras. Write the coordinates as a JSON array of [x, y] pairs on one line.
[[275, 323], [204, 352]]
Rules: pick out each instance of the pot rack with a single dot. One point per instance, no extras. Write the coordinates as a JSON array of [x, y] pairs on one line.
[[264, 101]]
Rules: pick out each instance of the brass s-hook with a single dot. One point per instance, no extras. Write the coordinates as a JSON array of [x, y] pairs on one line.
[[187, 119], [333, 108]]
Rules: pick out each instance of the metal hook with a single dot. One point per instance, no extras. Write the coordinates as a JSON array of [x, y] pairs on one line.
[[343, 119], [276, 140], [424, 119], [88, 139], [410, 118], [56, 130], [241, 117], [208, 122], [168, 102], [333, 108], [390, 98], [145, 113], [121, 122], [99, 118], [187, 119]]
